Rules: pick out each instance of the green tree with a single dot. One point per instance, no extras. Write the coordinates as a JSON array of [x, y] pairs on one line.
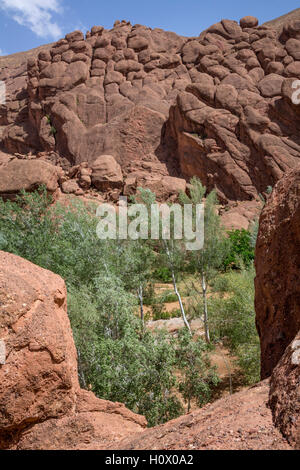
[[241, 249], [197, 376], [207, 261], [170, 249], [232, 316]]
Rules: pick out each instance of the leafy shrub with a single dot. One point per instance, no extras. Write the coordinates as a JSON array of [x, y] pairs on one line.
[[198, 377], [149, 294], [241, 249], [119, 360], [157, 311], [163, 274], [232, 316], [169, 297]]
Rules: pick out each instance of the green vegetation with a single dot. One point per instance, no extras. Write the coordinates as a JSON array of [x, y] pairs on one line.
[[198, 378], [205, 263], [53, 131], [162, 274], [118, 358], [241, 249], [109, 283], [233, 317]]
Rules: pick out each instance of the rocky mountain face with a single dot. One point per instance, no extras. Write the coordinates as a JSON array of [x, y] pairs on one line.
[[217, 106]]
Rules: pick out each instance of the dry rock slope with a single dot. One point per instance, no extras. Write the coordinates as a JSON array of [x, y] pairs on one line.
[[239, 422]]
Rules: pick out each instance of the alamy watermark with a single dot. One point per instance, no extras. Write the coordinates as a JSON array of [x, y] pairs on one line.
[[296, 93], [2, 92], [141, 222]]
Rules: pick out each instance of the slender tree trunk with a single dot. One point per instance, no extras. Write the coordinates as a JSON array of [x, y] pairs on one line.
[[140, 295], [80, 371], [205, 312], [176, 290], [180, 304], [230, 376]]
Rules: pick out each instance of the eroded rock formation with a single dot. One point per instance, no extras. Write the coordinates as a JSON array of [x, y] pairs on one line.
[[277, 262], [217, 106], [136, 107]]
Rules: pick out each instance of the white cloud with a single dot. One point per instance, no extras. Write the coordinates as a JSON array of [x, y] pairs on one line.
[[2, 52], [36, 15]]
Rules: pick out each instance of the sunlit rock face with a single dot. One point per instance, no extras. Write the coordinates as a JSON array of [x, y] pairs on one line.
[[218, 106]]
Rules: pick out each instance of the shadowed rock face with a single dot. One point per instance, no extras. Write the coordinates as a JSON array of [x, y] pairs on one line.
[[13, 71], [277, 302], [41, 404], [277, 299], [217, 106]]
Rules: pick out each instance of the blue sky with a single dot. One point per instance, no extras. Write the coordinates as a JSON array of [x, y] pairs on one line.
[[25, 24]]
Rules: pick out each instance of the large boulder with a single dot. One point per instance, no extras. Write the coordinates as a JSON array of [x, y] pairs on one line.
[[285, 393], [165, 188], [41, 404], [28, 175], [248, 22], [106, 173], [277, 296], [39, 378]]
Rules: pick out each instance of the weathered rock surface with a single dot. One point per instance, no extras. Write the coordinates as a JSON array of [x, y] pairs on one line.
[[240, 215], [28, 175], [106, 173], [277, 299], [285, 393], [217, 106], [41, 404], [15, 113]]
